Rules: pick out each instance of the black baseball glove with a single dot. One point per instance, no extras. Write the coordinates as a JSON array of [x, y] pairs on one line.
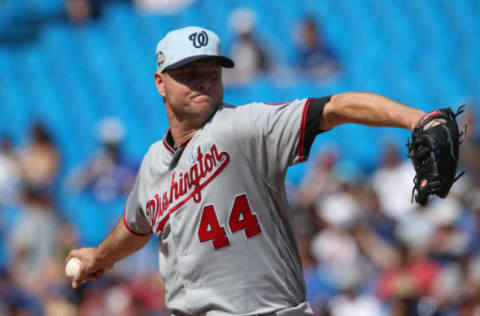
[[434, 153]]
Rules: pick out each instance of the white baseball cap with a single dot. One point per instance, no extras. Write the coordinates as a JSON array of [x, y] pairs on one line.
[[185, 45]]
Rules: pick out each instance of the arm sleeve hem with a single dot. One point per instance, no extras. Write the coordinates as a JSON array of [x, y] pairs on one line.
[[309, 126]]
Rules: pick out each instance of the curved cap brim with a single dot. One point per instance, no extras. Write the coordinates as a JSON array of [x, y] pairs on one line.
[[224, 61]]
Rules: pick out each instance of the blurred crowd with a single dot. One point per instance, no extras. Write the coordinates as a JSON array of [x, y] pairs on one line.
[[254, 56], [36, 235], [366, 249]]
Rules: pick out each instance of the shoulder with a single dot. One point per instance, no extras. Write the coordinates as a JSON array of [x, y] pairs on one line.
[[228, 123], [231, 111], [224, 115], [153, 153], [228, 116], [242, 118], [247, 114], [155, 148]]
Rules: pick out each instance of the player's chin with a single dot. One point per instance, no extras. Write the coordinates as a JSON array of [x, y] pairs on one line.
[[202, 98], [205, 103]]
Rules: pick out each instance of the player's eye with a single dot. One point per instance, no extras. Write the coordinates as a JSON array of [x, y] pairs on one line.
[[214, 74], [187, 75]]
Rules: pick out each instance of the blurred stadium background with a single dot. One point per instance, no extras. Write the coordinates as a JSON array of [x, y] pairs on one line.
[[88, 81]]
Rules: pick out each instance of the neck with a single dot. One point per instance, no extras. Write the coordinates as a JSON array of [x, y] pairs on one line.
[[180, 135], [183, 128]]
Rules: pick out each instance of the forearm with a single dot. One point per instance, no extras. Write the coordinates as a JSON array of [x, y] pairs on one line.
[[95, 261], [119, 244], [368, 109]]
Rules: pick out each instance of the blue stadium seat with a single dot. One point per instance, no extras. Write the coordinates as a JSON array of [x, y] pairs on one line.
[[423, 53]]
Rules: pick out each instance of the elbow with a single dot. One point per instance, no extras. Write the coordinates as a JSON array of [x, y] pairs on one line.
[[331, 115], [327, 122]]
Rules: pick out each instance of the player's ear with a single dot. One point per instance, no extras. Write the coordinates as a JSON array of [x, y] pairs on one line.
[[159, 83]]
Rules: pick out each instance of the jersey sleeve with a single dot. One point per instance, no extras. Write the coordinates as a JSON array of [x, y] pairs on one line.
[[134, 216], [309, 126], [281, 135]]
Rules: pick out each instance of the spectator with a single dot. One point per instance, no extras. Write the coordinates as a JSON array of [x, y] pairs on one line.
[[250, 56], [449, 243], [79, 11], [319, 181], [316, 58], [334, 247], [407, 284], [470, 301], [472, 226], [470, 151], [375, 218], [34, 239], [454, 285], [14, 300], [110, 174], [162, 6], [351, 302], [393, 182], [39, 161], [9, 173]]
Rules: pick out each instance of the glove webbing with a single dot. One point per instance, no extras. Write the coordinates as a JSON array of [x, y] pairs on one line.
[[435, 185]]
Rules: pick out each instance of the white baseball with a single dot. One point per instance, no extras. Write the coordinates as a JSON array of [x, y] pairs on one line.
[[73, 267]]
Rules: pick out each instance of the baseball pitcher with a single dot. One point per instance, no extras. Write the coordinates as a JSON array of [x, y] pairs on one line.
[[212, 190]]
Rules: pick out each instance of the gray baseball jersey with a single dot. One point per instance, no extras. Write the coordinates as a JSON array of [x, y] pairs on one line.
[[218, 207]]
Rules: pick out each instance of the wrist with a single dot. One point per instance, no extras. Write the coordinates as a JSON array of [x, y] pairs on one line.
[[102, 258], [414, 118]]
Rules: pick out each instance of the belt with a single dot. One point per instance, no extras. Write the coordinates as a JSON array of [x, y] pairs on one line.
[[177, 313]]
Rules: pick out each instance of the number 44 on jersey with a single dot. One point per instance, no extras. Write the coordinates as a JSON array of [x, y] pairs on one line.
[[241, 218]]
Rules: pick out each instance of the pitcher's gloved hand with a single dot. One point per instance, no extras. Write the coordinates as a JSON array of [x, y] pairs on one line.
[[434, 151]]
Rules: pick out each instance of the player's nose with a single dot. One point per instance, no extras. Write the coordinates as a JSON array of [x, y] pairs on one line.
[[204, 83]]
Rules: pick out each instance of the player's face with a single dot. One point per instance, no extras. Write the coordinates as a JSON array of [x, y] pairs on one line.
[[195, 89]]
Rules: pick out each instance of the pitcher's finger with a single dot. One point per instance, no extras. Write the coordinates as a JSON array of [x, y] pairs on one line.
[[73, 254]]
